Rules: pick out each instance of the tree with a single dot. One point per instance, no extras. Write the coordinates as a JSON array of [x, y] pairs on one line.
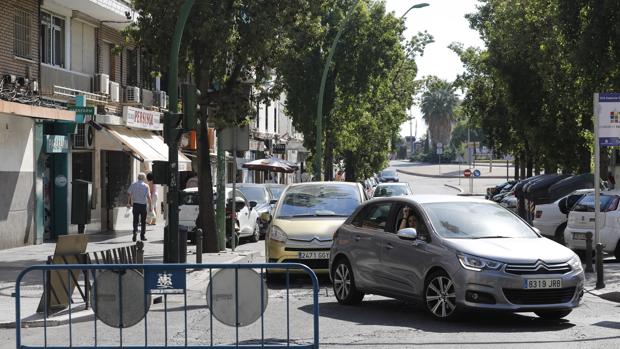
[[368, 90], [437, 103], [227, 47]]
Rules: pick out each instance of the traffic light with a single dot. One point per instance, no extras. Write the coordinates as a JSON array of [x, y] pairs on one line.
[[189, 95], [172, 131]]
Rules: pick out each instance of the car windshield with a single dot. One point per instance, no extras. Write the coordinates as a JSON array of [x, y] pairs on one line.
[[257, 194], [586, 204], [391, 190], [473, 220], [314, 200], [276, 191], [388, 173]]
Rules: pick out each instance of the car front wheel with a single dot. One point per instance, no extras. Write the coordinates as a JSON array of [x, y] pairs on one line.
[[553, 314], [440, 296], [344, 284]]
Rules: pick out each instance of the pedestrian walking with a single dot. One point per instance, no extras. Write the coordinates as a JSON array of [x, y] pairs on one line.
[[305, 176], [151, 217], [139, 200]]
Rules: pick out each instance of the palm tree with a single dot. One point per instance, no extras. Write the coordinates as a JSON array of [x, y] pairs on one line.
[[438, 103]]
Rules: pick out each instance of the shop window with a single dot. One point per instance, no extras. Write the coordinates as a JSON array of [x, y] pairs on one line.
[[21, 34]]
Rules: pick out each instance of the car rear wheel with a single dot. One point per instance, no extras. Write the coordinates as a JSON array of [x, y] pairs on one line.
[[617, 251], [440, 296], [344, 284], [553, 314]]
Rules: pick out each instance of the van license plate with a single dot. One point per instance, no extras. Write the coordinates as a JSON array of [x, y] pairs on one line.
[[314, 255], [579, 236], [534, 284]]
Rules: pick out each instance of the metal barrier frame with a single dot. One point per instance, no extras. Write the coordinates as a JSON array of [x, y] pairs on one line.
[[175, 267]]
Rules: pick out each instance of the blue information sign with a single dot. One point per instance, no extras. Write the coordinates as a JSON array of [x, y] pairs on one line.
[[476, 173], [165, 282]]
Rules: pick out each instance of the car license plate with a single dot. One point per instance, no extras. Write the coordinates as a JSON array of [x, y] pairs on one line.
[[579, 236], [542, 283], [314, 255]]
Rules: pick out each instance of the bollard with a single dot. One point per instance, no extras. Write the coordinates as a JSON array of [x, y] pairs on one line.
[[589, 268], [198, 246], [600, 282]]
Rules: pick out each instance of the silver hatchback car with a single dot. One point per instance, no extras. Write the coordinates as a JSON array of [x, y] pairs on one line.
[[452, 253]]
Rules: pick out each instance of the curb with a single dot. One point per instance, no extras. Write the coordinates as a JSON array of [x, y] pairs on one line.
[[243, 257], [454, 187], [444, 176]]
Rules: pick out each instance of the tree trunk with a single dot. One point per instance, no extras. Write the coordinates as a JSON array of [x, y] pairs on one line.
[[530, 162], [328, 163], [516, 165], [349, 167], [523, 164], [206, 216]]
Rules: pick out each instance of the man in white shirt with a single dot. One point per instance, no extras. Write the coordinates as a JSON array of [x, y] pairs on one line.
[[140, 197]]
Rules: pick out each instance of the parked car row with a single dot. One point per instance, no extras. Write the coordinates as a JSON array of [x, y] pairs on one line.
[[565, 213], [251, 200], [386, 176]]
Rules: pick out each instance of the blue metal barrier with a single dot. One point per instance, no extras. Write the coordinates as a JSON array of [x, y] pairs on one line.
[[145, 269]]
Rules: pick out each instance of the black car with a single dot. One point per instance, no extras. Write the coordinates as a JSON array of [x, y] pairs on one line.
[[388, 175]]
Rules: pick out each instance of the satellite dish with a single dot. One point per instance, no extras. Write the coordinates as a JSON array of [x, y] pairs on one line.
[[222, 303], [105, 298]]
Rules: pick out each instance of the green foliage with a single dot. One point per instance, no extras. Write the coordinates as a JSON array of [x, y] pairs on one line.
[[531, 89], [438, 103], [369, 87]]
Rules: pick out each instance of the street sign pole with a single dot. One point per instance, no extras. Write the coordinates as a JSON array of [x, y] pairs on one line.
[[234, 188], [600, 283]]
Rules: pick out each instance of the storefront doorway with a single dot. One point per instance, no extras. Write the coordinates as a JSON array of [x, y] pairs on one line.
[[115, 180]]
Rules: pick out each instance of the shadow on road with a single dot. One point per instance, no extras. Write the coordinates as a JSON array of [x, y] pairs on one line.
[[388, 312]]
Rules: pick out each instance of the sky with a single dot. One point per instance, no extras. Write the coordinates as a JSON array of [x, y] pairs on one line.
[[445, 21]]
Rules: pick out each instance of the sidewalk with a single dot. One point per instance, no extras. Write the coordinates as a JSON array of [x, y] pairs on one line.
[[14, 260], [451, 170]]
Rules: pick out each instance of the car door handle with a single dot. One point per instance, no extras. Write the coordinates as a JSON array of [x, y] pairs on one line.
[[357, 238], [389, 246]]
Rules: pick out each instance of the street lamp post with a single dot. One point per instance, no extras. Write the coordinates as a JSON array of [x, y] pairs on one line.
[[319, 112], [172, 130]]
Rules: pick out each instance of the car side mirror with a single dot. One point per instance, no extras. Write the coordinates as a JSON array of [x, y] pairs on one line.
[[253, 204], [265, 217], [273, 201], [407, 234]]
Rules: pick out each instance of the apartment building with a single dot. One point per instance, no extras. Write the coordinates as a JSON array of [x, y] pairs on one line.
[[272, 134], [23, 142]]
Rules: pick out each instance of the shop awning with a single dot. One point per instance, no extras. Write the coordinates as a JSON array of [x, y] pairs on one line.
[[147, 145]]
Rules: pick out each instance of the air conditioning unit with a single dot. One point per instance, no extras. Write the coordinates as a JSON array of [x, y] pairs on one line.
[[132, 94], [102, 84], [160, 99], [147, 98], [115, 89], [84, 138]]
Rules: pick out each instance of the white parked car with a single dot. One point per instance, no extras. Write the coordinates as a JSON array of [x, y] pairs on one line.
[[551, 221], [247, 216], [581, 221]]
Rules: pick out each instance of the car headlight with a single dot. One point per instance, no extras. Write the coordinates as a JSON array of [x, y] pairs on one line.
[[277, 234], [474, 263], [575, 263]]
